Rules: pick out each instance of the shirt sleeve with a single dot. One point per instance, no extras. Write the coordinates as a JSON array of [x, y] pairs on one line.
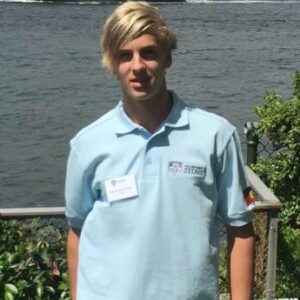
[[232, 184], [78, 194]]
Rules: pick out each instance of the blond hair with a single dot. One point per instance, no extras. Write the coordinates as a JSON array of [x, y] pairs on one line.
[[129, 21]]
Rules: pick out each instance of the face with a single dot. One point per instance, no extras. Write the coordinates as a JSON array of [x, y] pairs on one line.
[[140, 69]]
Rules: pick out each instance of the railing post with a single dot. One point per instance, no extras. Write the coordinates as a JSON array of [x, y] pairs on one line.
[[272, 255], [252, 142]]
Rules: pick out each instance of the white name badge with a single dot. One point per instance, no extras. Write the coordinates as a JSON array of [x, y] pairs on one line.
[[121, 188]]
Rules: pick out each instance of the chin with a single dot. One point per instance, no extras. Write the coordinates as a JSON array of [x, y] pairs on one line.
[[140, 96]]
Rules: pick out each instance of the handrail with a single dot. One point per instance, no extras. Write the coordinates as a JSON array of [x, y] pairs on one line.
[[32, 212], [265, 197], [266, 200]]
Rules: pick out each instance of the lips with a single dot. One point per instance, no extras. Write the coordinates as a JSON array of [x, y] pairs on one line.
[[139, 83]]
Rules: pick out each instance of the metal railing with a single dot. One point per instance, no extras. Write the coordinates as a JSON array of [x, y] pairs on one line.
[[267, 207], [31, 212]]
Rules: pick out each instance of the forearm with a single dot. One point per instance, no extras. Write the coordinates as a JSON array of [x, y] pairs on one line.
[[72, 255], [241, 261]]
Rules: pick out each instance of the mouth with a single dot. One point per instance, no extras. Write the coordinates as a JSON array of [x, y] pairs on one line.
[[140, 82]]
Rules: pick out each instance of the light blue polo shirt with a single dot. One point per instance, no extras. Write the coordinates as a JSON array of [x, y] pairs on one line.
[[161, 243]]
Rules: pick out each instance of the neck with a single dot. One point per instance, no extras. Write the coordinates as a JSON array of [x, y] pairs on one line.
[[149, 114]]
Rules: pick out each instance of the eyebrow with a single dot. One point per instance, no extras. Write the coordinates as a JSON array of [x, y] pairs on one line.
[[150, 46]]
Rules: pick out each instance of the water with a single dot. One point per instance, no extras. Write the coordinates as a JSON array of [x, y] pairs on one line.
[[51, 82]]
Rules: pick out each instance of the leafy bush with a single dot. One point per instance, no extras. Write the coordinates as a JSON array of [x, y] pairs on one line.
[[32, 260], [279, 120]]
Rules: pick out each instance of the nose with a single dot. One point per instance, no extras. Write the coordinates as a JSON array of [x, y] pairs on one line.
[[138, 63]]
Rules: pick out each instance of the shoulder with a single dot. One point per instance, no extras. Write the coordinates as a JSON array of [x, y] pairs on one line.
[[212, 122], [213, 130], [204, 121], [100, 127], [210, 127], [216, 130]]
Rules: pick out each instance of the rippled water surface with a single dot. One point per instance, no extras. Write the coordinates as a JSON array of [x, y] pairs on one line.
[[51, 82]]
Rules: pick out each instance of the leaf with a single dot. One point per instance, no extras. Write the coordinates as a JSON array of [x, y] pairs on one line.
[[11, 258], [40, 290], [11, 288], [50, 289], [8, 296], [55, 271]]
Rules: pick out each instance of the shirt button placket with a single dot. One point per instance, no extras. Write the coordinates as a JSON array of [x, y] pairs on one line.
[[150, 165]]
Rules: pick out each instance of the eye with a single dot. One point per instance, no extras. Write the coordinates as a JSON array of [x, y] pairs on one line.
[[149, 53], [124, 56]]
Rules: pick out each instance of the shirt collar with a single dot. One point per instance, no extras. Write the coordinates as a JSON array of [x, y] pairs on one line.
[[178, 117], [123, 123]]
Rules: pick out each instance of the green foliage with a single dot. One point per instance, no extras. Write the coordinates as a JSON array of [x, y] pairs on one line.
[[296, 82], [32, 260], [289, 262], [223, 268], [279, 120]]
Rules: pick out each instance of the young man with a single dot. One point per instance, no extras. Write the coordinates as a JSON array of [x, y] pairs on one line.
[[148, 181]]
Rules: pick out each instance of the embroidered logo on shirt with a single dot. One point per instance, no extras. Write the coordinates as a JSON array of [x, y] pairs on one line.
[[175, 167], [249, 197], [181, 168]]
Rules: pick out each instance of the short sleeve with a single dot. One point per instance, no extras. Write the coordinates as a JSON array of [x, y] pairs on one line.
[[78, 194], [232, 184]]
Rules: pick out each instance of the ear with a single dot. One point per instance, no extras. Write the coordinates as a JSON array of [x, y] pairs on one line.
[[114, 71], [168, 61]]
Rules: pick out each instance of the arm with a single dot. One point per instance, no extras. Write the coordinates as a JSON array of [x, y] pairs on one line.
[[72, 255], [241, 261]]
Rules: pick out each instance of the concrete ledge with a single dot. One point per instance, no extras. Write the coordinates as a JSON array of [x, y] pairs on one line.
[[32, 212], [266, 198]]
